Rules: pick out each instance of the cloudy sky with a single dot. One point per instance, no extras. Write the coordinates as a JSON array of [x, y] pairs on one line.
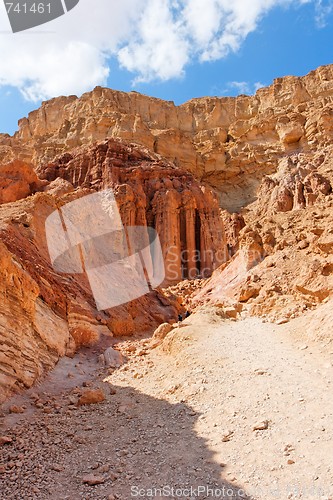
[[173, 49]]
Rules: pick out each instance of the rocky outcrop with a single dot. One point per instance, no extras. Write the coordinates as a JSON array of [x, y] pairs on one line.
[[264, 232], [233, 224], [227, 142], [155, 193], [17, 181], [297, 184], [44, 314], [284, 263]]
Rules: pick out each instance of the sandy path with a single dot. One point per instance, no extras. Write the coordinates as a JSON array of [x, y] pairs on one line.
[[236, 375], [183, 415]]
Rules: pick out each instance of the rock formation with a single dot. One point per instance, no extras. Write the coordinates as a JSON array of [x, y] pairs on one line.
[[45, 314], [284, 264], [241, 187], [17, 181], [154, 193], [227, 142]]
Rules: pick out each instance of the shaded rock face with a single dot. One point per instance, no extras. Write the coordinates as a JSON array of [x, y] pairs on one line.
[[152, 192]]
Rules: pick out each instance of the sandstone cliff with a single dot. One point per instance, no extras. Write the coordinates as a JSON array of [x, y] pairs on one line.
[[283, 263], [45, 314], [263, 230], [228, 142], [155, 193]]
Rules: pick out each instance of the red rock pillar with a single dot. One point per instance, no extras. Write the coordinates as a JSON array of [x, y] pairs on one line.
[[191, 250], [206, 245], [167, 225]]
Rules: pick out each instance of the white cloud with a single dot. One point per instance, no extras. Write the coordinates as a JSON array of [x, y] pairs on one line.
[[243, 87], [158, 46], [323, 10], [240, 87], [68, 55], [154, 39], [258, 85]]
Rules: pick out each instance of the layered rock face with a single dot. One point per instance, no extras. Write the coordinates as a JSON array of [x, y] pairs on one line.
[[284, 262], [228, 142], [17, 181], [265, 233], [46, 314], [155, 193]]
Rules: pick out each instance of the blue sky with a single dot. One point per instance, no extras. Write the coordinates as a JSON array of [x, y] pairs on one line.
[[162, 55]]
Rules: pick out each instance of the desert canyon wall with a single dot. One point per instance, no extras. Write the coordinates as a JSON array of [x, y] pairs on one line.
[[228, 142], [238, 187]]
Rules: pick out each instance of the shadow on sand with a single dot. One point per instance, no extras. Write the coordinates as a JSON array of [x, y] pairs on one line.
[[143, 447]]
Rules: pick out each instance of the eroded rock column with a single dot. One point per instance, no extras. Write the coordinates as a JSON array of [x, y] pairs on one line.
[[167, 221]]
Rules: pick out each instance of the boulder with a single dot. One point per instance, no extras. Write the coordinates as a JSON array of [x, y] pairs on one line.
[[91, 396], [113, 358]]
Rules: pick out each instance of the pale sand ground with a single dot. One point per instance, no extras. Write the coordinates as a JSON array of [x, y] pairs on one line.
[[184, 415]]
